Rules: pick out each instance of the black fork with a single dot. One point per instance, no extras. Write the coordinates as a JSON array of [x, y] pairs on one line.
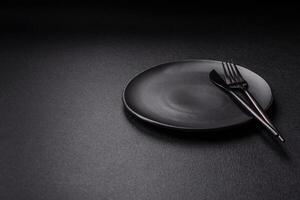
[[235, 80]]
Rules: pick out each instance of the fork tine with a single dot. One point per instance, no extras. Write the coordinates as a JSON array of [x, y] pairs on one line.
[[227, 77], [232, 80], [238, 72], [235, 75]]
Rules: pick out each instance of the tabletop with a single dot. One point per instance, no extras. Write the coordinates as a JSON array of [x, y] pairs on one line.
[[64, 133]]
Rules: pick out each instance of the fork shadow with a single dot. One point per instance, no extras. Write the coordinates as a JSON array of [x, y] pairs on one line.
[[226, 135]]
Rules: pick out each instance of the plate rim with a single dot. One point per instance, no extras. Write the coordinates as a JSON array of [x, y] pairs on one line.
[[183, 128]]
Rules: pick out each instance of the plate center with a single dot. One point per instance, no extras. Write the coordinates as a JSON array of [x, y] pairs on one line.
[[195, 99]]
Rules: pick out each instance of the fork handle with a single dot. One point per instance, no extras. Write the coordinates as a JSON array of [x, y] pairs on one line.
[[256, 115], [259, 109], [262, 113]]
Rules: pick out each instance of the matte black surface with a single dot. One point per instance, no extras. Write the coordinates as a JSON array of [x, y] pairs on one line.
[[64, 133], [180, 95]]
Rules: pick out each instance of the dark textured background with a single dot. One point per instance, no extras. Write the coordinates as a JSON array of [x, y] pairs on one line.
[[63, 130]]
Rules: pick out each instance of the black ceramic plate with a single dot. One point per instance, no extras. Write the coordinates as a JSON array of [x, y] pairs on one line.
[[180, 95]]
